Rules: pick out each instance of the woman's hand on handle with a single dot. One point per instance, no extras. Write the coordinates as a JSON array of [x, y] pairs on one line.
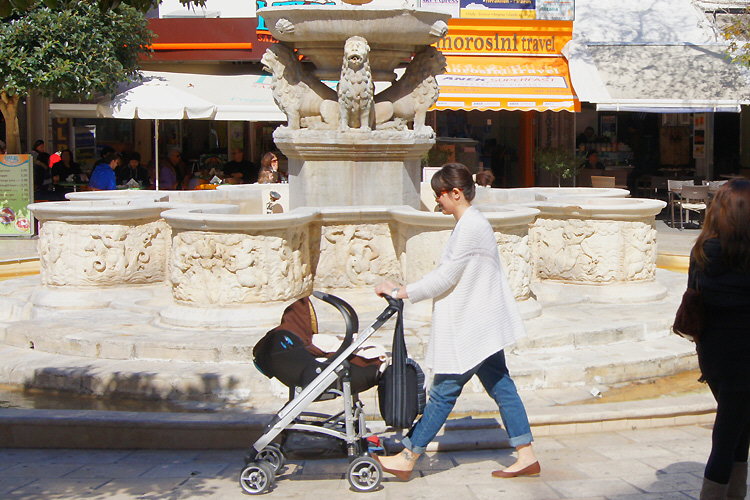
[[391, 289]]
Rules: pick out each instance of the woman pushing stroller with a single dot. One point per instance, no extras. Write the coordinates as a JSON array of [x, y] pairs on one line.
[[467, 336]]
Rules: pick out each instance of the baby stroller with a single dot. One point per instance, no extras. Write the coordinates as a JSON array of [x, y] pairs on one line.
[[286, 354]]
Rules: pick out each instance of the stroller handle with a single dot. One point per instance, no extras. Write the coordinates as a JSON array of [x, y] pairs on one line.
[[350, 319]]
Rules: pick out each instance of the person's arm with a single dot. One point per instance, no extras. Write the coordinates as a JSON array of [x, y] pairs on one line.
[[447, 274], [439, 280]]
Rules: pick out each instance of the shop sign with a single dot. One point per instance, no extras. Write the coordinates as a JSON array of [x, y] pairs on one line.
[[559, 10], [60, 134], [259, 4], [526, 83], [15, 195], [510, 38]]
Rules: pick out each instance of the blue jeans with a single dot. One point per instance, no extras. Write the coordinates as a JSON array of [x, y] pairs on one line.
[[493, 373]]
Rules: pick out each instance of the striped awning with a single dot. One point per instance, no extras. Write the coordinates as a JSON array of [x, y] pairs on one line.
[[506, 82]]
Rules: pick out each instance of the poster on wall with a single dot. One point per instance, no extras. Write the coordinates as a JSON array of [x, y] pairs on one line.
[[498, 9], [235, 131], [557, 10], [699, 135], [85, 144], [452, 7], [15, 195]]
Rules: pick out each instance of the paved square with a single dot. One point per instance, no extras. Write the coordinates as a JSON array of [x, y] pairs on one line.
[[650, 464]]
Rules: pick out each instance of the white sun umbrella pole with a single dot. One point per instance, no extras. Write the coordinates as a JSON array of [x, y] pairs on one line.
[[156, 153], [156, 100]]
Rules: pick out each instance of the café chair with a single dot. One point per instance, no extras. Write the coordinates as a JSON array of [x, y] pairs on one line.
[[714, 186], [602, 181], [692, 199], [674, 190]]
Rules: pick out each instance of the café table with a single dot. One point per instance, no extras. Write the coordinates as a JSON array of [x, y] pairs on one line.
[[74, 185]]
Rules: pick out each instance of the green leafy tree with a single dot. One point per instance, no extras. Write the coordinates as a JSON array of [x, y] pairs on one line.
[[7, 6], [73, 52], [560, 162], [737, 32]]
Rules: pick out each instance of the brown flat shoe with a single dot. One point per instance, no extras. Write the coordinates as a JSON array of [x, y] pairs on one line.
[[532, 470], [403, 475]]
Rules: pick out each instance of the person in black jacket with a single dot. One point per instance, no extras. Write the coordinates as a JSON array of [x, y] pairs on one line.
[[132, 169], [720, 270]]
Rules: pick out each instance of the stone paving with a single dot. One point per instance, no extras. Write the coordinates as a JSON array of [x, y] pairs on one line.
[[650, 464]]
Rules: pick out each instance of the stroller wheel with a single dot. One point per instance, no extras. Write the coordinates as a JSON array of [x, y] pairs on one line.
[[364, 474], [257, 478], [273, 456]]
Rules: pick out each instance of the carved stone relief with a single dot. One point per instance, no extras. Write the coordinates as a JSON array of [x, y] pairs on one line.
[[593, 251], [423, 249], [103, 254], [356, 255], [515, 255], [230, 268]]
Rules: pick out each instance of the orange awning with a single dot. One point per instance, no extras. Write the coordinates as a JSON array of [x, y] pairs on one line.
[[505, 82]]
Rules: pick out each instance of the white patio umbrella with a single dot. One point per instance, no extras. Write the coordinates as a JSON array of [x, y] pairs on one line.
[[155, 100]]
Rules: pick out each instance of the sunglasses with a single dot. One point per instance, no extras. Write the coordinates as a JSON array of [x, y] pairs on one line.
[[441, 193]]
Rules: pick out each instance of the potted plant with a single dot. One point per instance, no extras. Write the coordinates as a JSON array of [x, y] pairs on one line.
[[435, 157], [559, 162]]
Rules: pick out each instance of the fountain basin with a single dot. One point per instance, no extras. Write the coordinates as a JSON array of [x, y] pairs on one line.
[[588, 243], [319, 32]]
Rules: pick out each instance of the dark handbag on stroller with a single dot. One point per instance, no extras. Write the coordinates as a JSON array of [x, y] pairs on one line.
[[401, 392]]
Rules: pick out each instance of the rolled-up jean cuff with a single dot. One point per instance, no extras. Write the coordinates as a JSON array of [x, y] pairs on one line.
[[410, 446], [521, 440]]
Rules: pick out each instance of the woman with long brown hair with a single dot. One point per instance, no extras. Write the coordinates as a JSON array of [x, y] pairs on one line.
[[720, 271], [474, 318], [269, 169]]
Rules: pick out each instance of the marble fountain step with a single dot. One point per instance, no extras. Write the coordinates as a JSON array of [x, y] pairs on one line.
[[125, 349], [127, 331], [240, 382]]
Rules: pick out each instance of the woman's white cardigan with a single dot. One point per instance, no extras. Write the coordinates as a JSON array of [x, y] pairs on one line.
[[474, 313]]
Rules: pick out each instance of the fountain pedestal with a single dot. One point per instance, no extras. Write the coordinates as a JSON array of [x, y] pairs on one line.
[[332, 168]]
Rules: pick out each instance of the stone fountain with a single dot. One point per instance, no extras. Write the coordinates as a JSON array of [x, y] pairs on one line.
[[164, 294], [351, 146]]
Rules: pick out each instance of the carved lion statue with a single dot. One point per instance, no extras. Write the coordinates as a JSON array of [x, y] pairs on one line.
[[356, 88], [409, 98], [303, 98]]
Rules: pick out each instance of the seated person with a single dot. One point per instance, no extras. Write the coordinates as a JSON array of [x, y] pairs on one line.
[[66, 167], [592, 161], [132, 169], [588, 136], [167, 176], [200, 177], [239, 170], [485, 178], [103, 177]]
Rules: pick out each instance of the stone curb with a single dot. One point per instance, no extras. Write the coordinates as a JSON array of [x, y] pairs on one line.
[[22, 428]]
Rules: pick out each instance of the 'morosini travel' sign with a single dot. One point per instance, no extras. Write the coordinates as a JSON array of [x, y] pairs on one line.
[[15, 195], [514, 38]]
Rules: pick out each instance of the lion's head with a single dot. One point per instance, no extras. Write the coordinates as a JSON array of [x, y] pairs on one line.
[[356, 53], [277, 58], [427, 62]]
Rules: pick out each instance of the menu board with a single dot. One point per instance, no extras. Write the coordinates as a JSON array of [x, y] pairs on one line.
[[16, 182]]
